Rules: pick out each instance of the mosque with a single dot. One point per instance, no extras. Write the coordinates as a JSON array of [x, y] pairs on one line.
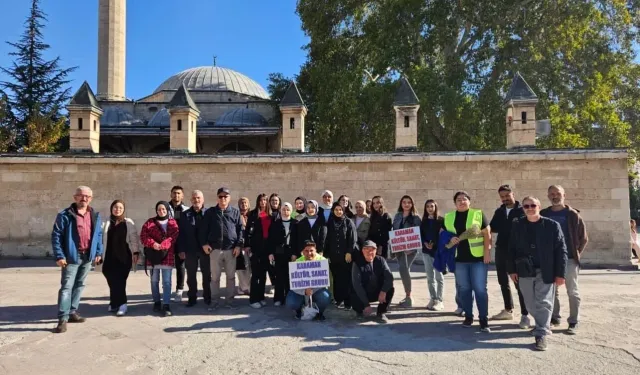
[[212, 110]]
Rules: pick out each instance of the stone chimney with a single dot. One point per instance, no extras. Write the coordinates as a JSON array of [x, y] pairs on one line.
[[84, 121], [112, 37], [183, 122], [293, 112], [406, 104], [520, 104]]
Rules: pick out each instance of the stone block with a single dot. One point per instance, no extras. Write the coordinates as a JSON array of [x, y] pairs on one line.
[[12, 177], [160, 177]]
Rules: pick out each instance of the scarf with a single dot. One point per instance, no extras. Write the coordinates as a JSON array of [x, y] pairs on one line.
[[304, 206], [315, 204], [166, 205]]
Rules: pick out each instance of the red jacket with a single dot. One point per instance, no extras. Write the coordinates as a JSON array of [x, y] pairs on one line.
[[152, 232]]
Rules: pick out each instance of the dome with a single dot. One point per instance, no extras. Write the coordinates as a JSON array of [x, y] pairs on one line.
[[161, 119], [214, 78], [241, 117], [116, 116]]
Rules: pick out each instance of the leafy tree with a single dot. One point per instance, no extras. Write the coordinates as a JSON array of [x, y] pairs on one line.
[[460, 57], [37, 86], [45, 133]]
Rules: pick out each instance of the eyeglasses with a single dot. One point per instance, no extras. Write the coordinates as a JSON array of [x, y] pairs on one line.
[[529, 206], [223, 197], [83, 196]]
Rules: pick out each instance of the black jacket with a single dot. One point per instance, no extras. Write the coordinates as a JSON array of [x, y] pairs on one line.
[[342, 238], [279, 243], [433, 233], [551, 249], [304, 232], [254, 237], [380, 227], [191, 229], [321, 211], [224, 228], [501, 224], [369, 279]]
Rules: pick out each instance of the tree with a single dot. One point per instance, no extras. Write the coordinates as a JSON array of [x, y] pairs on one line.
[[37, 86], [45, 133], [460, 57], [7, 126]]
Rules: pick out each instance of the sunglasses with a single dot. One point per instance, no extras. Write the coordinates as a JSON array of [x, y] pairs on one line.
[[529, 206]]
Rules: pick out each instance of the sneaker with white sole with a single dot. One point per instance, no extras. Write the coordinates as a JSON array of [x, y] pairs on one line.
[[430, 304], [256, 305], [525, 322], [438, 306], [503, 315], [122, 310], [459, 312], [277, 303], [178, 296], [263, 303], [407, 302]]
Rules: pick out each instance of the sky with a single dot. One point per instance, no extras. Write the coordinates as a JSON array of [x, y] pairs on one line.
[[164, 37]]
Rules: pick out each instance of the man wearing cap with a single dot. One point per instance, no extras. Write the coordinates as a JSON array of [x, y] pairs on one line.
[[372, 281], [222, 239]]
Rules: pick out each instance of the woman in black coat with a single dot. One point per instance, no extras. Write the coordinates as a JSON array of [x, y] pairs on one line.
[[281, 252], [257, 232], [312, 227], [341, 243], [381, 224]]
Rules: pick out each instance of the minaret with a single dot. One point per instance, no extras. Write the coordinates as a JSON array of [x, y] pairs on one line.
[[293, 112], [112, 36], [520, 103], [406, 105]]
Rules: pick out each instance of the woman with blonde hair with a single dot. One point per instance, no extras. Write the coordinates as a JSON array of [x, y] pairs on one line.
[[243, 263]]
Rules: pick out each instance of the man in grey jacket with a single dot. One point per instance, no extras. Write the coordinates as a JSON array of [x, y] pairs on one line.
[[372, 281]]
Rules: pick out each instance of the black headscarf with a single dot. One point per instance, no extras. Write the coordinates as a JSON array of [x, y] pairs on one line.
[[166, 205], [304, 207], [337, 221]]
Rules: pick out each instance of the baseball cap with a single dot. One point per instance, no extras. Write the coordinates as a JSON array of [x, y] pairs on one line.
[[223, 190], [369, 243]]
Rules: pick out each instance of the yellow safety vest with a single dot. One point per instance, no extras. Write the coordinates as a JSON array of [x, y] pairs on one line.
[[474, 217]]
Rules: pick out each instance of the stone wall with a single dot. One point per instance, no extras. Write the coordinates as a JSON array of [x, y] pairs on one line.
[[37, 187]]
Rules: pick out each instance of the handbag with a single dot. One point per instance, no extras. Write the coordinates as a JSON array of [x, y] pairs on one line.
[[310, 310]]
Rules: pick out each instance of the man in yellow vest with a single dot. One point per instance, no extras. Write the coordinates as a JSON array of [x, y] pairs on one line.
[[472, 257]]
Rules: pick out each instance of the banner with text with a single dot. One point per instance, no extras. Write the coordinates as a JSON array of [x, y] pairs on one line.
[[407, 239], [310, 274]]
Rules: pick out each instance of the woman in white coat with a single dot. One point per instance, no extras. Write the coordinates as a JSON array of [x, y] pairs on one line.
[[121, 252]]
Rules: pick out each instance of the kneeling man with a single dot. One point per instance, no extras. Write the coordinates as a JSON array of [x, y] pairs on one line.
[[320, 296], [372, 281]]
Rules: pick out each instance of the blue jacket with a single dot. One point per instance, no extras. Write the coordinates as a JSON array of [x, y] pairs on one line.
[[445, 259], [224, 228], [191, 231], [64, 237]]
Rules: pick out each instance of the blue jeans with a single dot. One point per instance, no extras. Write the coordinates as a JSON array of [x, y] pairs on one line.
[[472, 280], [166, 285], [71, 286], [321, 298]]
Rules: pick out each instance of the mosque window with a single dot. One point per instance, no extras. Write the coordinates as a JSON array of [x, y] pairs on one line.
[[524, 117], [153, 109], [292, 123], [79, 123], [406, 121], [192, 126], [179, 125], [95, 125]]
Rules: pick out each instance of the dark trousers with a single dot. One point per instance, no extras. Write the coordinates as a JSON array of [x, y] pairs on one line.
[[282, 278], [341, 272], [271, 272], [358, 305], [180, 271], [503, 280], [116, 272], [259, 267], [192, 260]]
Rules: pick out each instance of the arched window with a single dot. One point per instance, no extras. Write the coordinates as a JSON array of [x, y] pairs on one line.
[[234, 147]]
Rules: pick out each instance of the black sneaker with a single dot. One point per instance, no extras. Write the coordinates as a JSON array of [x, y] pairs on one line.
[[191, 303], [468, 322], [166, 310], [555, 322], [359, 316], [298, 314], [572, 330], [382, 319], [157, 307], [541, 343], [320, 317], [484, 326]]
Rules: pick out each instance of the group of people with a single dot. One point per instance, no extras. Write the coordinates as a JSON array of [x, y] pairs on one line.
[[539, 250]]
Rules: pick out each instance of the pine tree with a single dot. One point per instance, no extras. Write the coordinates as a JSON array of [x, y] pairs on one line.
[[38, 87], [7, 126]]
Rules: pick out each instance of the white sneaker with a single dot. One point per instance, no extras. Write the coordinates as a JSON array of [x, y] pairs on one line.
[[122, 310], [256, 305], [278, 303], [263, 303], [430, 304], [438, 306], [178, 297], [503, 315], [459, 312], [525, 323]]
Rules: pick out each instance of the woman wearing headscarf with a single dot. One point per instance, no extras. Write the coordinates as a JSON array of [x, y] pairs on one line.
[[406, 217], [244, 275], [281, 252], [347, 207], [300, 205], [341, 243], [311, 227], [121, 252], [260, 219], [159, 234], [325, 205], [362, 222], [381, 224]]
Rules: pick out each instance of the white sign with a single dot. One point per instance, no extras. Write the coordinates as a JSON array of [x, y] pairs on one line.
[[407, 239], [309, 274]]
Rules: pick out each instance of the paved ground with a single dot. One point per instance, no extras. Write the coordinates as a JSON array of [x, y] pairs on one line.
[[269, 341]]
